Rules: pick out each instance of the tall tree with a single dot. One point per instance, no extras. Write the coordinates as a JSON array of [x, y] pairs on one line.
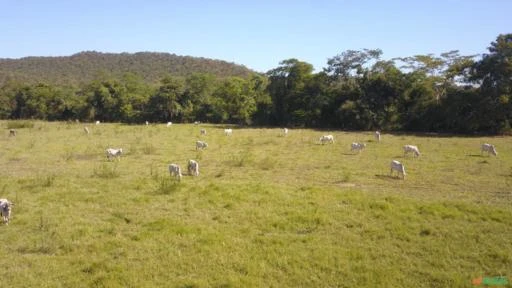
[[494, 75]]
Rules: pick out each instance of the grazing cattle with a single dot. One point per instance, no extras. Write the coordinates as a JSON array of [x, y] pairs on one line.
[[358, 147], [5, 210], [203, 131], [114, 153], [12, 132], [201, 145], [489, 148], [169, 124], [197, 122], [326, 139], [193, 168], [285, 131], [411, 149], [228, 132], [98, 122], [86, 130], [399, 167], [175, 170], [147, 123], [377, 136]]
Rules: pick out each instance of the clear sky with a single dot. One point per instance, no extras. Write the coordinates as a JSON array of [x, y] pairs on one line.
[[258, 34]]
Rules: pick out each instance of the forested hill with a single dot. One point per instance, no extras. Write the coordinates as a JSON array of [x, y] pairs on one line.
[[85, 66]]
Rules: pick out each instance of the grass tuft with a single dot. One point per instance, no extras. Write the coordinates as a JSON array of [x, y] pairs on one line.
[[106, 170]]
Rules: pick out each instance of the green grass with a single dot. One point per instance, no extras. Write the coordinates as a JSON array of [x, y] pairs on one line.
[[266, 210]]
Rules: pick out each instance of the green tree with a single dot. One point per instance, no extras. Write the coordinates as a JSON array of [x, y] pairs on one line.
[[494, 75], [166, 104]]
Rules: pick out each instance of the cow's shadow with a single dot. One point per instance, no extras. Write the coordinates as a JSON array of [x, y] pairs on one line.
[[476, 155], [386, 176]]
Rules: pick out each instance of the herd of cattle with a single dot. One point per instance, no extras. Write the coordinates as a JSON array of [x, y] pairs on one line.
[[193, 166]]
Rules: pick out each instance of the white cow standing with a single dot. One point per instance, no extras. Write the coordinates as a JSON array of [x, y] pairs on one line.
[[175, 170], [169, 124], [326, 139], [399, 167], [489, 148], [98, 122], [5, 210], [377, 136], [285, 131], [228, 132], [193, 167], [411, 149], [114, 153]]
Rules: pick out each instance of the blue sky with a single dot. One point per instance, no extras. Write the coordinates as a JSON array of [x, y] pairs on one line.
[[257, 34]]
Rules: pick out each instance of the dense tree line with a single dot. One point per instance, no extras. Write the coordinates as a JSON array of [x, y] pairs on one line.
[[357, 90]]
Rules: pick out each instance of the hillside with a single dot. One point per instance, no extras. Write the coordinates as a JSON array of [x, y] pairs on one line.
[[84, 66]]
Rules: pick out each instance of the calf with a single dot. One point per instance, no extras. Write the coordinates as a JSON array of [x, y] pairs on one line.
[[201, 145], [489, 148], [175, 170], [399, 167], [326, 139], [193, 168], [5, 210], [114, 153], [357, 147]]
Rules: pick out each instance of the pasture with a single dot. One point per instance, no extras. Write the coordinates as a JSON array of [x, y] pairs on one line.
[[267, 210]]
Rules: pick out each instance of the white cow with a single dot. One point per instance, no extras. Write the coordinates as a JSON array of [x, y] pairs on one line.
[[147, 123], [285, 131], [5, 210], [175, 170], [327, 139], [98, 122], [399, 167], [228, 132], [377, 136], [193, 168], [114, 153], [489, 148], [203, 131], [358, 147], [411, 149], [201, 145], [86, 130], [197, 122], [12, 132], [169, 124]]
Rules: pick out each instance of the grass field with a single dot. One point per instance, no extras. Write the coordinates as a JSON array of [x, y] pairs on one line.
[[266, 211]]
